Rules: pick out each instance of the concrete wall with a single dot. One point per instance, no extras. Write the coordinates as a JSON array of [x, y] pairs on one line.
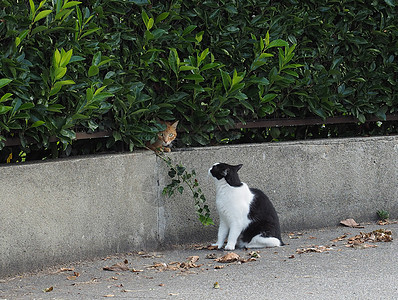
[[68, 210]]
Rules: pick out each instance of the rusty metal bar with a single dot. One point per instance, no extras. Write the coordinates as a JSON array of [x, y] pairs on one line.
[[309, 121], [264, 123], [79, 136]]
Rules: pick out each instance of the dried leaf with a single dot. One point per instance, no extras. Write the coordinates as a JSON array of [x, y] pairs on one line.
[[66, 269], [296, 235], [136, 271], [317, 249], [380, 235], [340, 238], [229, 257], [109, 296], [93, 280], [149, 255], [291, 256], [211, 247], [361, 246], [350, 223], [242, 260], [255, 254], [71, 277], [189, 265], [174, 266], [216, 285], [193, 259], [219, 267], [157, 266], [49, 289], [117, 267], [207, 247]]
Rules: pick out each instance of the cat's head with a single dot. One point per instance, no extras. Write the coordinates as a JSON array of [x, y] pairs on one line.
[[169, 134], [229, 173]]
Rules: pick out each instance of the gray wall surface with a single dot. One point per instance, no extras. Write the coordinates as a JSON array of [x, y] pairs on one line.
[[68, 210]]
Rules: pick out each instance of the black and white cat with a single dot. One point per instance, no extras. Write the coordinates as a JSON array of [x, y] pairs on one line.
[[247, 216]]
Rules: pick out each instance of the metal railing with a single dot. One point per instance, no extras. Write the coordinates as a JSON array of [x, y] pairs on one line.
[[263, 123]]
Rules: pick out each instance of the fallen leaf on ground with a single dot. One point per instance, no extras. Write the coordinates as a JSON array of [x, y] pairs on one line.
[[296, 235], [117, 267], [66, 269], [218, 267], [229, 257], [255, 254], [208, 247], [71, 277], [193, 258], [157, 265], [93, 280], [174, 266], [216, 285], [149, 255], [350, 223], [211, 247], [109, 296], [136, 271], [317, 249], [361, 246], [233, 257], [340, 238], [380, 235], [49, 289], [386, 222]]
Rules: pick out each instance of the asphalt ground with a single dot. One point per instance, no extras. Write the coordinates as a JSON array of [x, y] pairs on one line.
[[315, 264]]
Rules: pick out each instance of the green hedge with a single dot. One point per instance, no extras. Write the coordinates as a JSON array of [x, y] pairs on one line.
[[120, 65]]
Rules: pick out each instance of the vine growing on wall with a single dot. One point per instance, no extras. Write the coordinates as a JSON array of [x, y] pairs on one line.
[[183, 180]]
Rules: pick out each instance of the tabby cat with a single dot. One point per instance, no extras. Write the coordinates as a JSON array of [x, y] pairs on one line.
[[165, 138]]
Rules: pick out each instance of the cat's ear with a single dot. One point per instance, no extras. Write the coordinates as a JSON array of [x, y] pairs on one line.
[[174, 125], [237, 168]]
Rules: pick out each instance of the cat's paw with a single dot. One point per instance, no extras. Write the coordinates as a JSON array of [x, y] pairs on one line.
[[165, 149], [217, 245], [230, 247]]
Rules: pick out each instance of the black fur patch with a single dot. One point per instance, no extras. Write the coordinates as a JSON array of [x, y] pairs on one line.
[[264, 218], [229, 172]]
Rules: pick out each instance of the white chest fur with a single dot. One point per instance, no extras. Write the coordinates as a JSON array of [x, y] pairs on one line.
[[233, 203]]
